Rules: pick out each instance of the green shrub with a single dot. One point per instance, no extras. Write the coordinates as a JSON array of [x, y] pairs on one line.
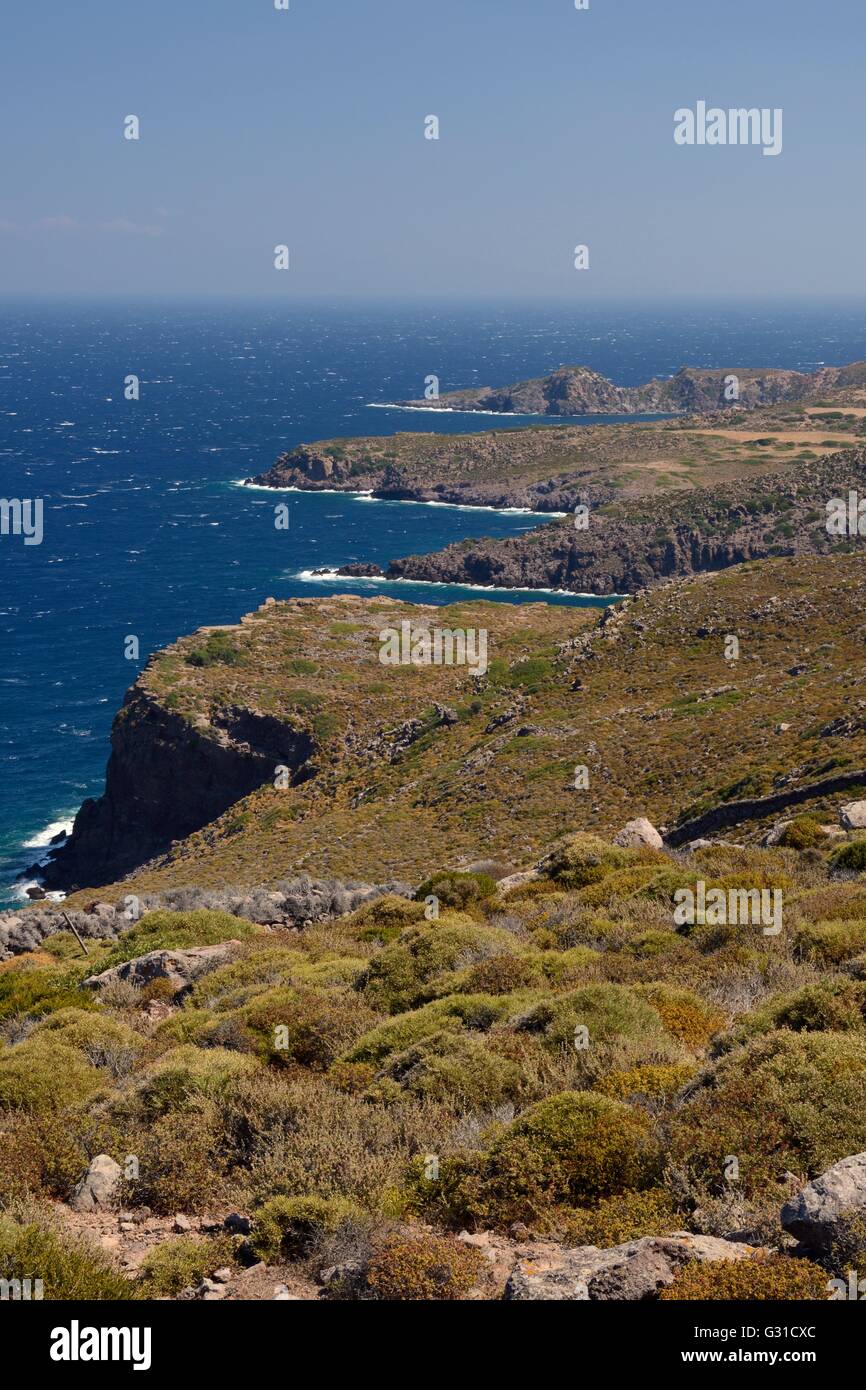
[[804, 832], [32, 990], [179, 1263], [783, 1102], [571, 1149], [777, 1278], [474, 1012], [68, 1269], [411, 1268], [285, 1228], [314, 1026], [623, 1029], [457, 890], [178, 931], [684, 1014], [828, 1006], [830, 943], [218, 649], [615, 1220], [851, 857], [187, 1075], [396, 978], [384, 918], [40, 1075], [583, 859], [456, 1067]]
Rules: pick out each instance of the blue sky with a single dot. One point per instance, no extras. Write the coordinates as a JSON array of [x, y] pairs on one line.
[[306, 127]]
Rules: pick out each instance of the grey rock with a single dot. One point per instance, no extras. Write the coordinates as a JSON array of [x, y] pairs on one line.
[[98, 1189], [180, 968], [853, 815], [814, 1215], [638, 834], [630, 1272]]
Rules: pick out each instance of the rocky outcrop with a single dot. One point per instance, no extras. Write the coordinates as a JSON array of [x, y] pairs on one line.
[[638, 544], [315, 468], [166, 778], [817, 1215], [292, 903], [633, 1271], [582, 391], [853, 815], [180, 969]]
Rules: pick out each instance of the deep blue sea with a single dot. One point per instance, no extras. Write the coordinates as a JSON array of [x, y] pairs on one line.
[[147, 531]]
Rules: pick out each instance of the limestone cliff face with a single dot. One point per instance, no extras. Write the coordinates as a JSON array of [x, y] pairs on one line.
[[168, 777]]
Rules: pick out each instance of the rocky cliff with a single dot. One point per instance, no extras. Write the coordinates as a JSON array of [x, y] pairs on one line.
[[582, 391], [167, 777], [633, 545]]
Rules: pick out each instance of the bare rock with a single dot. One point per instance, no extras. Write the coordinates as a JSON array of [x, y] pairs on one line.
[[633, 1271], [180, 968], [638, 834], [98, 1189], [814, 1216], [853, 815]]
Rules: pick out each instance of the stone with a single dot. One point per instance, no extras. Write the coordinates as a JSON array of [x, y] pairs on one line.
[[630, 1272], [237, 1225], [180, 968], [515, 880], [222, 1276], [853, 815], [638, 834], [98, 1189], [181, 1223], [813, 1215]]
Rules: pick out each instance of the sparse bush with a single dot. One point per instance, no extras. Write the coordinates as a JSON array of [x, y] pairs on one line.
[[778, 1277], [181, 1262], [457, 890], [786, 1101], [69, 1269], [285, 1228], [410, 1268]]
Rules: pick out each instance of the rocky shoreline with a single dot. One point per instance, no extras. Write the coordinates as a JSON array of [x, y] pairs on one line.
[[639, 544]]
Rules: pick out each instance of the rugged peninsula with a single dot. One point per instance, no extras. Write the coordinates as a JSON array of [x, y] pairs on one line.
[[582, 391], [554, 467]]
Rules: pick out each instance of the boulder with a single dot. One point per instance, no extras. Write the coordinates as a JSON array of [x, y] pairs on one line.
[[180, 968], [638, 834], [515, 880], [813, 1216], [633, 1271], [853, 815], [98, 1189]]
